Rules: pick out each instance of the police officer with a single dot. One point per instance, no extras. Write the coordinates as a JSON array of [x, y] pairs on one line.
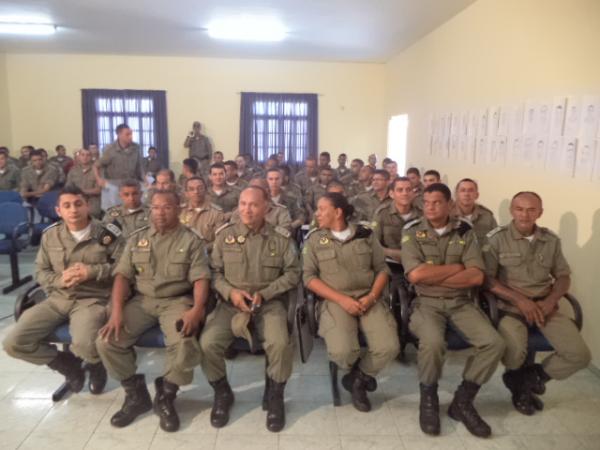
[[466, 206], [219, 193], [74, 267], [82, 176], [151, 163], [442, 259], [307, 176], [131, 215], [167, 266], [345, 265], [282, 197], [37, 178], [366, 203], [199, 213], [254, 265], [9, 174], [316, 190], [200, 147], [120, 160], [527, 270]]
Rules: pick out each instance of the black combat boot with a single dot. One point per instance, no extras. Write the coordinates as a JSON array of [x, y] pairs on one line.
[[348, 379], [137, 401], [164, 404], [463, 410], [358, 389], [219, 415], [429, 409], [98, 378], [275, 406], [537, 377], [521, 395], [69, 365]]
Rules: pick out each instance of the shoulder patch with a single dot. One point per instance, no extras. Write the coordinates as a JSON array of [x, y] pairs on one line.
[[51, 226], [362, 232], [494, 231], [283, 231], [222, 227], [411, 223], [110, 233], [464, 225]]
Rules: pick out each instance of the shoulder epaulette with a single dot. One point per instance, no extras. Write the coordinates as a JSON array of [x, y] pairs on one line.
[[280, 205], [494, 231], [283, 231], [381, 207], [485, 209], [215, 206], [548, 231], [52, 226], [411, 223], [145, 227], [311, 231], [195, 232], [222, 227]]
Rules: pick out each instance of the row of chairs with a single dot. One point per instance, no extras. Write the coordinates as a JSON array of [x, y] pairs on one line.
[[19, 228], [303, 315]]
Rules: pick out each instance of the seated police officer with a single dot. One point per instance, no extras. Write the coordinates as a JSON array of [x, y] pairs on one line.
[[527, 270], [442, 259], [345, 265], [74, 267], [167, 268], [254, 265]]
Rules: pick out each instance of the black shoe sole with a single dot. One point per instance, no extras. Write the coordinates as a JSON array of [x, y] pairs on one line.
[[455, 416], [144, 411]]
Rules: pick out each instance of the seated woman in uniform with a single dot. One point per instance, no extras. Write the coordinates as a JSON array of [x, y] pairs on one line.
[[344, 264]]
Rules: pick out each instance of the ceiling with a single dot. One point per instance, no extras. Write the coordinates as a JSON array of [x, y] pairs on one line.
[[335, 30]]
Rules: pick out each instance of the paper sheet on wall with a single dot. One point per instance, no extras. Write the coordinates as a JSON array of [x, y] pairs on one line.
[[568, 157], [558, 116], [573, 117], [584, 163], [590, 111], [554, 154]]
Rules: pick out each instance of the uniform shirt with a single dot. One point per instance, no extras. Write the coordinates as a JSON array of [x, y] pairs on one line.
[[200, 147], [528, 268], [228, 199], [366, 203], [121, 163], [239, 184], [304, 181], [9, 178], [164, 265], [277, 215], [482, 220], [205, 219], [59, 250], [62, 162], [293, 205], [354, 187], [31, 181], [152, 166], [388, 224], [457, 245], [84, 179], [313, 194], [127, 221], [349, 266], [265, 261], [342, 173]]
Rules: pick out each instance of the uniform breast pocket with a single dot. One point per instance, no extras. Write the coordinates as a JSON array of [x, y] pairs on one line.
[[95, 256], [141, 263], [364, 254], [179, 266], [327, 261], [392, 235], [57, 259], [432, 254], [454, 253], [510, 261], [272, 267]]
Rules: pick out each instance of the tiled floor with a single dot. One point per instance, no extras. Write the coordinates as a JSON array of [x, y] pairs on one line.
[[29, 418]]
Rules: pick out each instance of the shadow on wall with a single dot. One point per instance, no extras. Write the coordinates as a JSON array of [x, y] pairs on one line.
[[504, 212]]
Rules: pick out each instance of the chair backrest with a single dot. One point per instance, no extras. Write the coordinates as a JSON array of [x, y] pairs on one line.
[[10, 196], [46, 205], [11, 214]]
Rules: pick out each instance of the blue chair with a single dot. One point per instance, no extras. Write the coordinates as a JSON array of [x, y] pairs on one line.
[[45, 206], [151, 338], [15, 229], [10, 197]]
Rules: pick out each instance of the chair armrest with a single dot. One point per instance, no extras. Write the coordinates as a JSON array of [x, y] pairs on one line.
[[577, 311], [292, 304], [311, 313], [404, 301], [488, 303], [25, 301]]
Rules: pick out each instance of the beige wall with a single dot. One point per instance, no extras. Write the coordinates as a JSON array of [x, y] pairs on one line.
[[45, 99], [5, 129], [503, 51]]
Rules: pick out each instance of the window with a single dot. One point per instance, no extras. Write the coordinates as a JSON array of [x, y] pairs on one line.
[[143, 111], [271, 123], [397, 139]]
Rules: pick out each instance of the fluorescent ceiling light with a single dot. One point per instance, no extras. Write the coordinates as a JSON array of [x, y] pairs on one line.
[[36, 26], [247, 28]]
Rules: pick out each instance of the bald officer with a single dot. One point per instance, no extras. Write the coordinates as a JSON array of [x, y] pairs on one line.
[[167, 267], [254, 265], [526, 269], [442, 259]]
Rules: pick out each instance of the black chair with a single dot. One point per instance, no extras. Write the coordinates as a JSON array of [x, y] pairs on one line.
[[16, 232], [45, 207]]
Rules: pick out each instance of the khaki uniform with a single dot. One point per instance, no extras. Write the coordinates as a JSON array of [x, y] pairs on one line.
[[304, 181], [152, 166], [228, 199], [313, 194], [163, 269], [83, 306], [436, 306], [265, 262], [85, 179], [121, 163], [388, 224], [200, 149], [10, 178], [246, 175], [277, 215], [32, 181], [342, 174], [239, 184], [293, 205], [128, 221], [62, 162], [354, 187], [351, 267], [531, 268], [205, 220], [366, 203], [21, 162], [482, 220]]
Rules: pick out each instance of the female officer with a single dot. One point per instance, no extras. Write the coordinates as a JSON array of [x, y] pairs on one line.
[[345, 265]]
